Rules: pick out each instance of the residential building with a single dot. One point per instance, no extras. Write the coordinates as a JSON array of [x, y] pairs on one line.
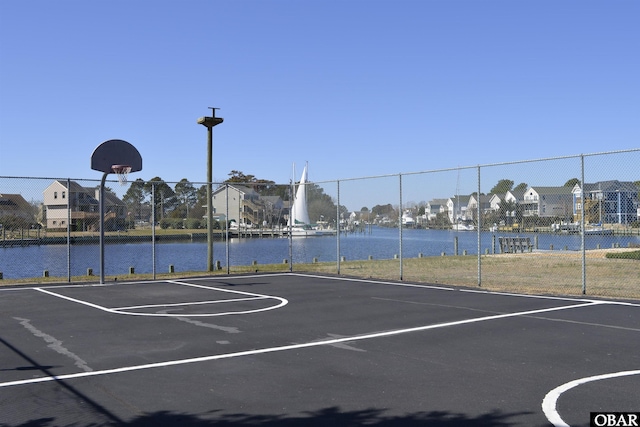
[[515, 196], [457, 208], [607, 202], [80, 206], [434, 207], [485, 204], [16, 207], [495, 200], [246, 207], [548, 202]]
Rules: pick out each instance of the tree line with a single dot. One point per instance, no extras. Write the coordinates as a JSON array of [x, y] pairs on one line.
[[184, 205]]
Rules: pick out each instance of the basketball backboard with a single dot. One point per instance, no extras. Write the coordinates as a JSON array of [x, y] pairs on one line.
[[115, 152]]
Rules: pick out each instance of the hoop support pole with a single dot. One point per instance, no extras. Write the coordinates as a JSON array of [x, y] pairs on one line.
[[101, 204]]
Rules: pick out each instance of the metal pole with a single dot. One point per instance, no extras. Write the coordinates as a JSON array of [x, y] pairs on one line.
[[226, 227], [68, 230], [153, 229], [400, 224], [479, 234], [338, 228], [582, 223], [290, 226], [101, 204]]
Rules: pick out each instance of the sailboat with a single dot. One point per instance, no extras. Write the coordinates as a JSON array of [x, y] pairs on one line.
[[299, 221], [460, 224]]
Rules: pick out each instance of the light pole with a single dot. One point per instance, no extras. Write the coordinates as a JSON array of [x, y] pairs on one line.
[[209, 123]]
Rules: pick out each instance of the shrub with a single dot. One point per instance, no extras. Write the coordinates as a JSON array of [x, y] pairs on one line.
[[624, 255]]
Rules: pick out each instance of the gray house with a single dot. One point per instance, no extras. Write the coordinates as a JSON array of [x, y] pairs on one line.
[[548, 202]]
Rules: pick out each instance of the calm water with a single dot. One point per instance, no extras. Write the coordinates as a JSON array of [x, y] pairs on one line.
[[381, 243]]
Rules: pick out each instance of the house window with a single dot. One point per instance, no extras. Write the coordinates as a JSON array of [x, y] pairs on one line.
[[64, 194], [55, 194]]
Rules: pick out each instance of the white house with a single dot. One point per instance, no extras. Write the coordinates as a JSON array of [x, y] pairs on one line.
[[495, 200], [434, 207], [548, 202], [485, 204], [515, 196], [457, 208]]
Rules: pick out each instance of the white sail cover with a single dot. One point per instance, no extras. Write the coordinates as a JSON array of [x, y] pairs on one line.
[[299, 211]]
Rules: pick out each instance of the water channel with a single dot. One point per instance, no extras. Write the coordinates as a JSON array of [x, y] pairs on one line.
[[380, 243]]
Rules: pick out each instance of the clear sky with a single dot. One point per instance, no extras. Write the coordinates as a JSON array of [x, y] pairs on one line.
[[354, 87]]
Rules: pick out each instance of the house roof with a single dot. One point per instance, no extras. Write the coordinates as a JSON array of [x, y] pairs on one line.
[[13, 202], [240, 188], [110, 199], [460, 199], [484, 198], [551, 190], [438, 202], [74, 187], [518, 194], [610, 187]]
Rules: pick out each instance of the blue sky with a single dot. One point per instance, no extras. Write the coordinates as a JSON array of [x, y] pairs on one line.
[[354, 87]]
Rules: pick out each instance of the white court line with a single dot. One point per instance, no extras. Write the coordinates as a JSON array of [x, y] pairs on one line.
[[377, 282], [288, 347], [179, 304], [282, 302], [549, 403]]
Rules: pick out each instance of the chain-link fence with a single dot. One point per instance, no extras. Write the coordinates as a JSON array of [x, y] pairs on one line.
[[566, 225]]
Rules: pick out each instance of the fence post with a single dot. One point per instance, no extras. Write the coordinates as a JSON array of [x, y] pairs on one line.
[[153, 229], [479, 211], [338, 227], [226, 227], [400, 224], [582, 224], [69, 230]]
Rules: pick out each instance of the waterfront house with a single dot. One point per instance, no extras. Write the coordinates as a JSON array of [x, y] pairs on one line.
[[548, 202], [515, 196], [434, 207], [78, 207], [607, 202], [485, 204], [495, 200], [15, 208], [246, 207], [457, 208]]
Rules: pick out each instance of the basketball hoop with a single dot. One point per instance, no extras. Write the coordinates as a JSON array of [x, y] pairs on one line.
[[121, 171]]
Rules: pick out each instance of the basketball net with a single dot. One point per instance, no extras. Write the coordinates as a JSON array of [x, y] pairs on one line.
[[122, 172]]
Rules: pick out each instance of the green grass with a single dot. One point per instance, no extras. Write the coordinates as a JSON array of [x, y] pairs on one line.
[[625, 255]]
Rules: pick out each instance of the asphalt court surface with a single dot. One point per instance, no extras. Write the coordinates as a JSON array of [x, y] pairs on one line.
[[288, 349]]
